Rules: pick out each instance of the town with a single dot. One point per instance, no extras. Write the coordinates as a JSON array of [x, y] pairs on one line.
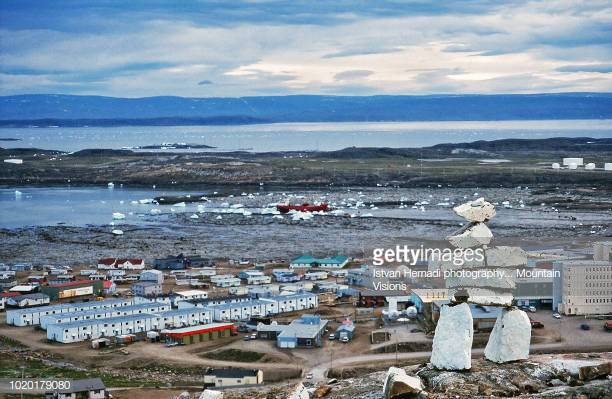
[[233, 309]]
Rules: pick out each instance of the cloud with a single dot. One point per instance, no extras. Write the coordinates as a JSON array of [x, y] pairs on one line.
[[596, 68], [353, 74], [141, 48]]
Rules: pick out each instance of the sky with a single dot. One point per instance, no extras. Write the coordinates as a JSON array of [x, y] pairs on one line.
[[232, 48]]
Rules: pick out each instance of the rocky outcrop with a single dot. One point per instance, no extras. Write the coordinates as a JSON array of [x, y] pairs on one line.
[[452, 343], [510, 338], [483, 296], [398, 383], [476, 211], [592, 372], [210, 394], [321, 391]]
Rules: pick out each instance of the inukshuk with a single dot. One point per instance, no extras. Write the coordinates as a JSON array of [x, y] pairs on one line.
[[511, 333]]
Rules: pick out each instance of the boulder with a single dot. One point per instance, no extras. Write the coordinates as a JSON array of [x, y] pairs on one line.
[[322, 391], [510, 338], [299, 392], [483, 296], [506, 256], [210, 394], [476, 211], [452, 343], [592, 372], [474, 235], [398, 383]]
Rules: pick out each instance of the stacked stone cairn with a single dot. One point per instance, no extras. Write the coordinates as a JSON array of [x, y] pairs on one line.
[[511, 335]]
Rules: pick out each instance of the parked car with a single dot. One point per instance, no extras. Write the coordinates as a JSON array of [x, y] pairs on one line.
[[246, 338], [556, 315], [344, 339], [585, 327], [532, 309], [332, 337], [254, 336], [536, 324]]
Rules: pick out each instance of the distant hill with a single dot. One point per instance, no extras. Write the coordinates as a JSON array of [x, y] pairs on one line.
[[70, 110]]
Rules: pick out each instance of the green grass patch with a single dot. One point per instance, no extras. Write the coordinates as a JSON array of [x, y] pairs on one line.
[[234, 355]]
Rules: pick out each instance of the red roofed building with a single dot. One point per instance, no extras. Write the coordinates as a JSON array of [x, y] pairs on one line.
[[132, 264], [73, 289], [107, 263]]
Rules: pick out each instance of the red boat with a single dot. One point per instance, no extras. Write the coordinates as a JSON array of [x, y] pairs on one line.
[[282, 208]]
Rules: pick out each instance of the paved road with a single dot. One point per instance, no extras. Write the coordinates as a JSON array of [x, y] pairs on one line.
[[319, 371]]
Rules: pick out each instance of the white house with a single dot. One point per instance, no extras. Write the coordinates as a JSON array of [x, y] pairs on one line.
[[185, 317], [91, 329], [227, 282], [131, 264], [28, 300], [156, 276], [315, 275], [258, 280]]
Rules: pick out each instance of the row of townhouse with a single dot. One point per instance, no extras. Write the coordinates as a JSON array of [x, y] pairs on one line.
[[95, 314], [247, 307], [31, 316], [81, 330]]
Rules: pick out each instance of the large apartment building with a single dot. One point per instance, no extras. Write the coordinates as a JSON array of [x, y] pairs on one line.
[[584, 287]]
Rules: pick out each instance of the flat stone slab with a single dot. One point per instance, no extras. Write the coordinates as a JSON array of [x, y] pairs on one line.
[[506, 256], [484, 296], [474, 235], [498, 279], [452, 343], [476, 211]]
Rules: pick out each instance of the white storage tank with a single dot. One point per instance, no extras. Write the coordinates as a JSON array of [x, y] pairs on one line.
[[569, 161], [608, 166], [556, 165], [589, 166]]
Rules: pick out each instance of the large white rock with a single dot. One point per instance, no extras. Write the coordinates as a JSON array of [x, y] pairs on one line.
[[399, 383], [210, 394], [452, 343], [474, 235], [506, 256], [476, 211], [510, 338], [299, 392], [484, 296]]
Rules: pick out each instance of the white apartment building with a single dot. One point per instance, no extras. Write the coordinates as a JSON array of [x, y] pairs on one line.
[[584, 287]]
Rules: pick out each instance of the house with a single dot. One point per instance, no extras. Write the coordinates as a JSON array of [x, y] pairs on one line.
[[204, 302], [91, 329], [308, 261], [73, 289], [188, 295], [305, 332], [182, 262], [107, 263], [7, 282], [109, 287], [156, 276], [346, 329], [147, 289], [423, 297], [315, 275], [226, 282], [27, 300], [200, 333], [232, 377], [131, 264], [283, 276], [244, 310], [259, 280], [376, 298], [245, 274], [32, 316], [25, 289], [338, 273], [104, 313], [91, 388], [185, 317]]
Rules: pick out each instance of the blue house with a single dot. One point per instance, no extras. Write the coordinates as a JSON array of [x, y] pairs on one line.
[[305, 332]]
